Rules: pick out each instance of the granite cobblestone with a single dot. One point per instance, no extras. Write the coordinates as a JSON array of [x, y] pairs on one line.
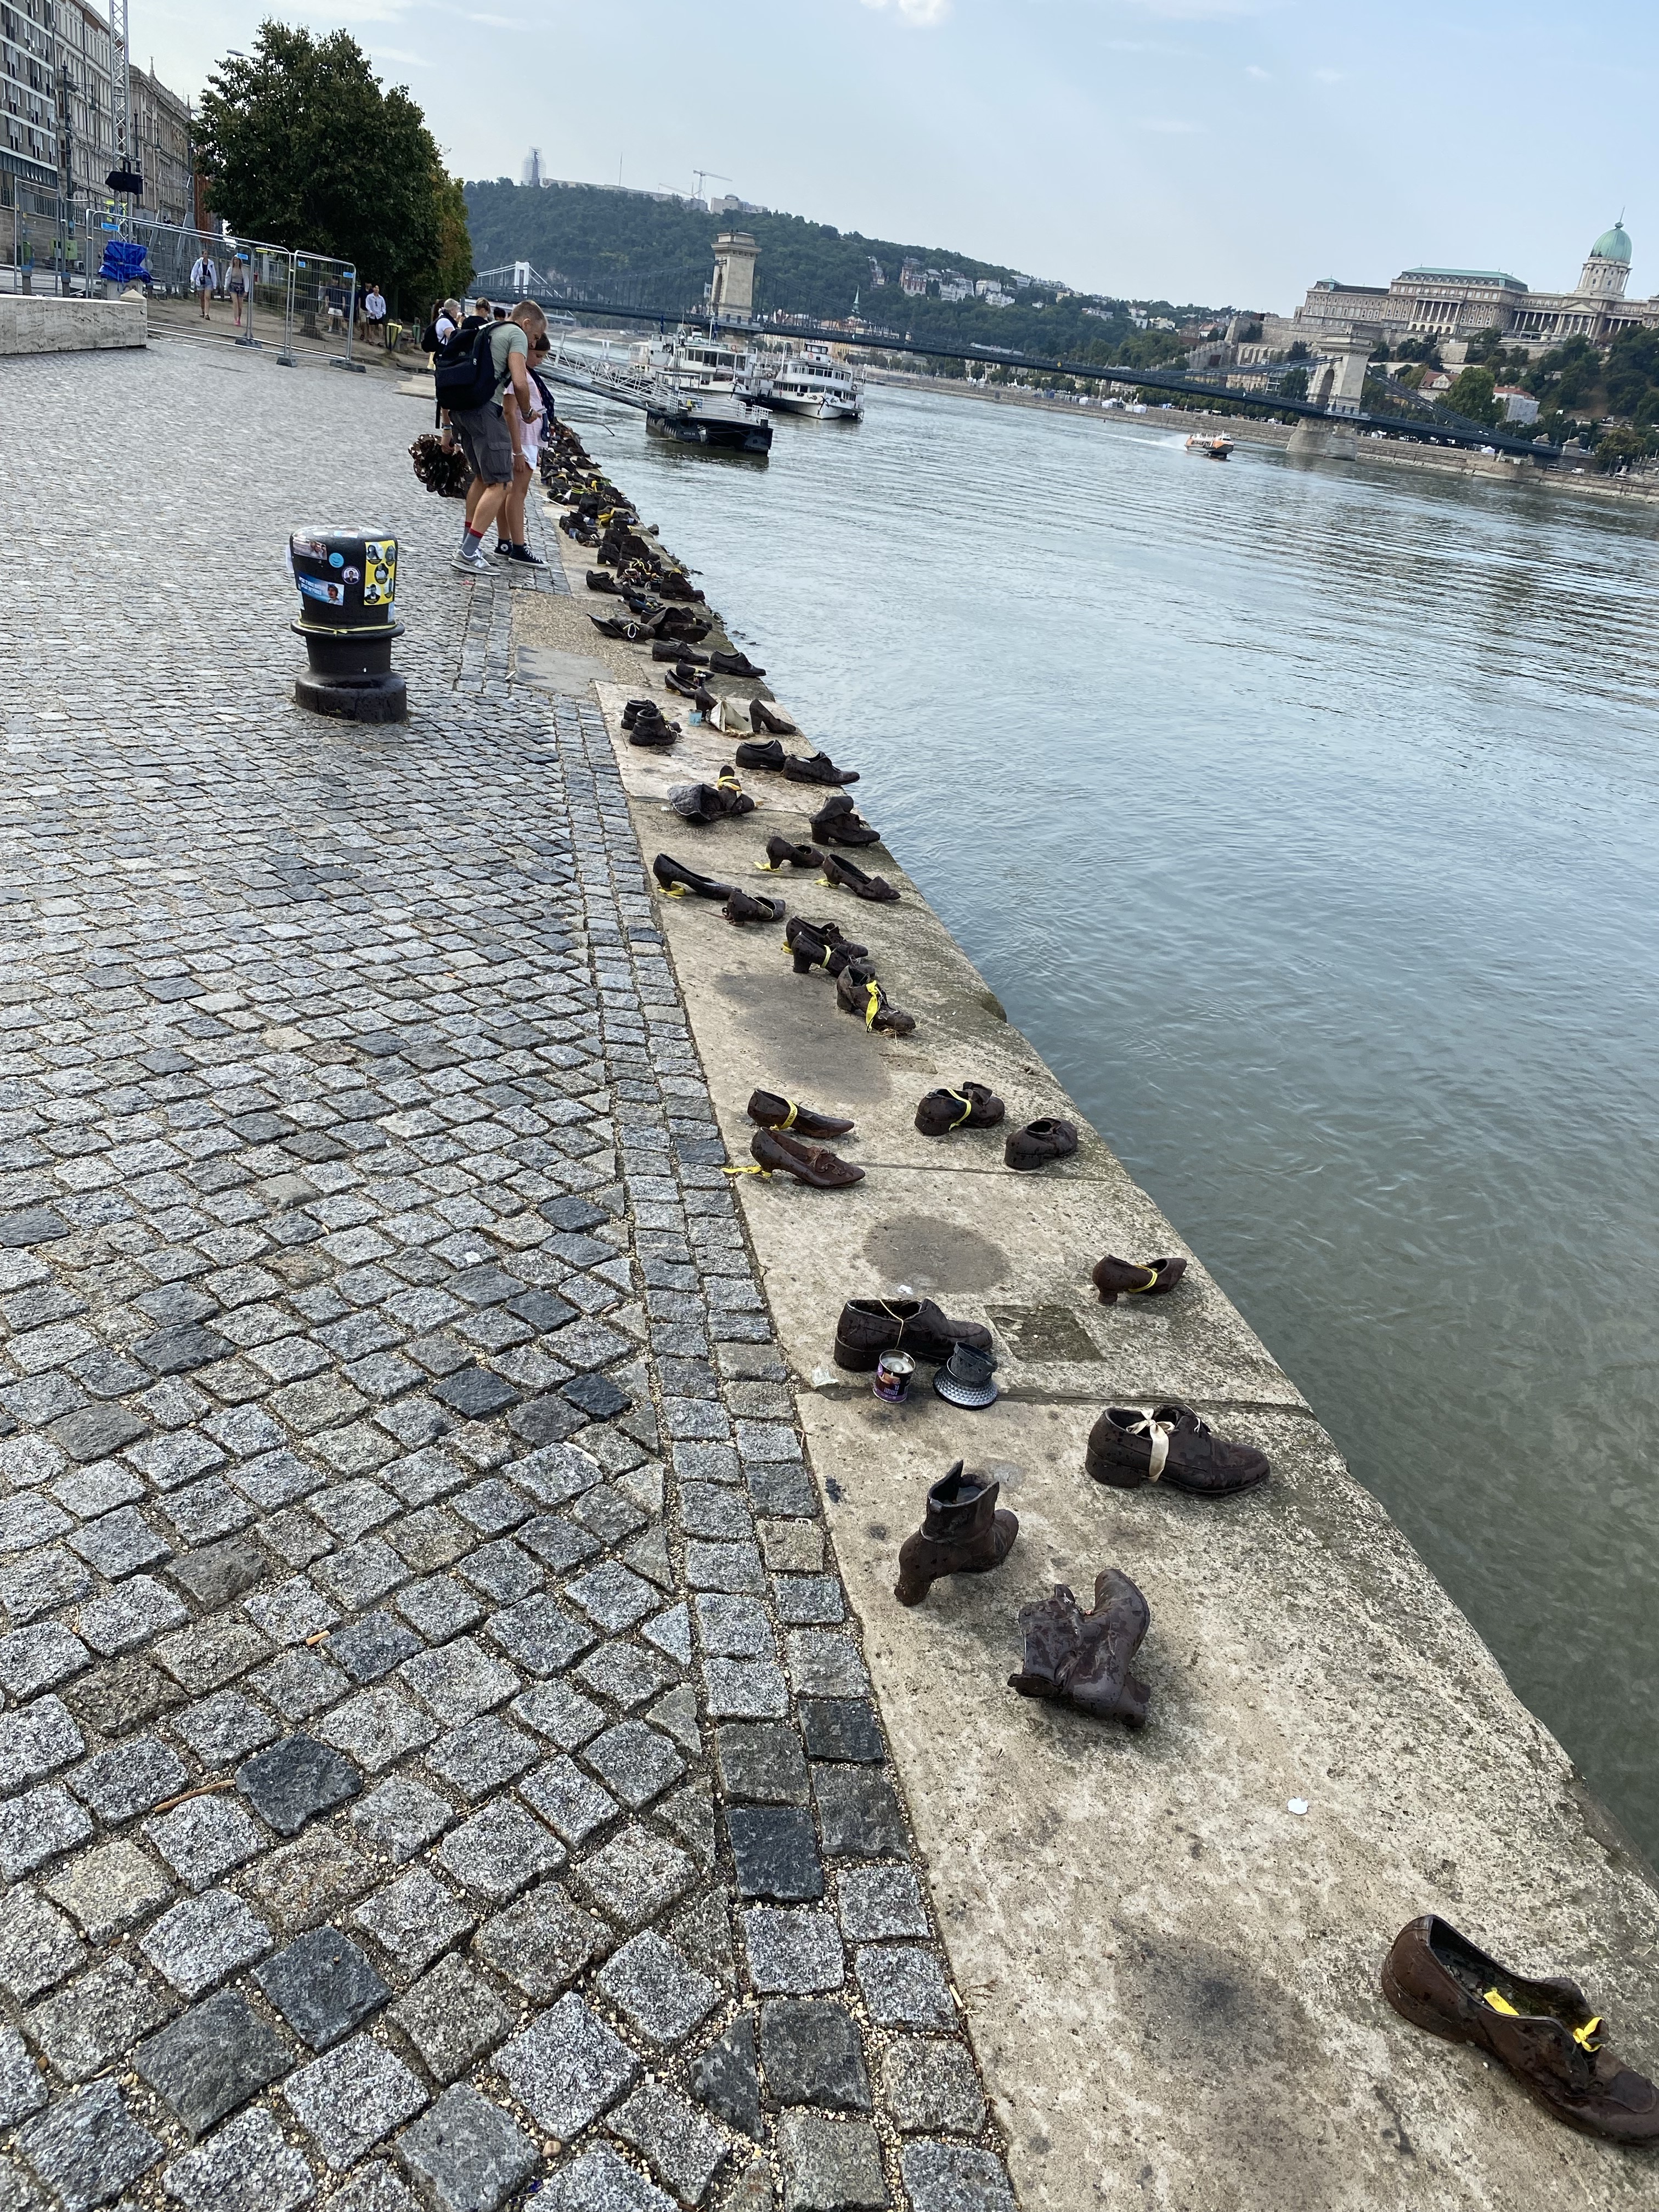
[[435, 1752]]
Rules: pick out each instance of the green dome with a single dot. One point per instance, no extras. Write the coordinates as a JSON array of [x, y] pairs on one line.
[[1613, 244]]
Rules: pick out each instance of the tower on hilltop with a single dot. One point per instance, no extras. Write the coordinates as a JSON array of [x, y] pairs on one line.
[[1607, 271]]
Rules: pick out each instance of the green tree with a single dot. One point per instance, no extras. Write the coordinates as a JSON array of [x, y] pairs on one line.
[[301, 144], [1472, 395], [1293, 385]]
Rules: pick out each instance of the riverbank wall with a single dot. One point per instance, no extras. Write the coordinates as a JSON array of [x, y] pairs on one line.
[[1166, 1946], [41, 323]]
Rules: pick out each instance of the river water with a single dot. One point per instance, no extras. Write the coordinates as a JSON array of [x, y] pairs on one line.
[[1306, 818]]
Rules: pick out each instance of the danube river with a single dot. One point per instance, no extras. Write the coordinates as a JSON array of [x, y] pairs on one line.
[[1306, 818]]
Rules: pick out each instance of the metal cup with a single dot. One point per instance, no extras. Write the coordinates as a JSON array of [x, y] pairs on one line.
[[892, 1377]]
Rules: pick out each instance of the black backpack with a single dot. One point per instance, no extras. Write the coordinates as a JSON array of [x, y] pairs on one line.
[[466, 379]]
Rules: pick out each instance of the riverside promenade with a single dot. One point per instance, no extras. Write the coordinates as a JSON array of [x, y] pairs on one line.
[[457, 1733]]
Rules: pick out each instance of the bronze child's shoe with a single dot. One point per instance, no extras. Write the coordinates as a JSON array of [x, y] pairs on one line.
[[1543, 2033], [962, 1534]]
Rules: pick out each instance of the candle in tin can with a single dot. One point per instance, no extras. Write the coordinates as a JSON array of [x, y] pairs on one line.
[[893, 1373]]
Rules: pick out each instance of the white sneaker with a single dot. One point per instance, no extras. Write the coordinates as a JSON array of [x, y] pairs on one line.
[[472, 564]]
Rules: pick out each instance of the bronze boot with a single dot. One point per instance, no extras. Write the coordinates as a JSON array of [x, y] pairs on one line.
[[963, 1534]]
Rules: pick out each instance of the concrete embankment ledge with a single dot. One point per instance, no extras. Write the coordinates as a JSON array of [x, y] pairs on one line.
[[1167, 1944], [42, 323]]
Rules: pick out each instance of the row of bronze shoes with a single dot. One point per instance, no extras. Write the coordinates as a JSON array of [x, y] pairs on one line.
[[1543, 2031], [787, 1129]]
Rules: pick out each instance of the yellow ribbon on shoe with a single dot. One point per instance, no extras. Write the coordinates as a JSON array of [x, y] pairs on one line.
[[769, 867], [1582, 2035], [965, 1103], [789, 1121], [723, 782], [755, 1170], [1501, 2004], [672, 890], [1137, 1289], [874, 1007]]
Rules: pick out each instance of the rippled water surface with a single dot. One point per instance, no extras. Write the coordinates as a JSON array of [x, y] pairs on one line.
[[1307, 819]]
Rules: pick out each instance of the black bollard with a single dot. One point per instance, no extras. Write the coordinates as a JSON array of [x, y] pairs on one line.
[[347, 581]]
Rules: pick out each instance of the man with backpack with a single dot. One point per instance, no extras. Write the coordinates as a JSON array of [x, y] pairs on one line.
[[470, 385]]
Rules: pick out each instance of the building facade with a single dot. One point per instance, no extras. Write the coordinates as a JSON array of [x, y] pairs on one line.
[[60, 126], [1456, 303], [161, 149]]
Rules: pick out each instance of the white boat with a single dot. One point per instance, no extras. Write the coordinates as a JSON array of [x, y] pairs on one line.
[[813, 383], [692, 363], [1214, 448]]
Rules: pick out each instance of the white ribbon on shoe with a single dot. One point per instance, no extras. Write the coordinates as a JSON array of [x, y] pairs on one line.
[[1160, 1433]]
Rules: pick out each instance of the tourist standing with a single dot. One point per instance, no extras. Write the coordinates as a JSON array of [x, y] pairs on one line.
[[490, 445], [525, 425], [375, 313], [236, 285], [204, 283]]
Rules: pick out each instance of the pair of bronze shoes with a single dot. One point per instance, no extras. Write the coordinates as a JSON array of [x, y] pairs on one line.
[[1071, 1657], [678, 881], [781, 1144], [1082, 1659]]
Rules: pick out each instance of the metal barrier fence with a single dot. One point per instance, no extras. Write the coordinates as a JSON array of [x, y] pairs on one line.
[[324, 311], [294, 301]]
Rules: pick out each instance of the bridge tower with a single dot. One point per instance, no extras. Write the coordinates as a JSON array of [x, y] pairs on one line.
[[1337, 385], [731, 293]]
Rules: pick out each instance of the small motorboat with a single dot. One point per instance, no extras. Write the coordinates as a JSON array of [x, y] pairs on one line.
[[1215, 448]]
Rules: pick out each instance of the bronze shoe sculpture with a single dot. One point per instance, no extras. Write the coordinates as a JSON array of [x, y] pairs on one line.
[[1038, 1143], [1128, 1278], [869, 1326], [962, 1534], [768, 719], [773, 1112], [857, 992], [819, 944], [1132, 1444], [847, 876], [1543, 2033], [974, 1106], [741, 907], [1082, 1659], [781, 854], [809, 1163]]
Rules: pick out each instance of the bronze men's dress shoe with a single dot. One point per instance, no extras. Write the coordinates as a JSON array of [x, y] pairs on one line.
[[1132, 1444], [869, 1326], [1544, 2032]]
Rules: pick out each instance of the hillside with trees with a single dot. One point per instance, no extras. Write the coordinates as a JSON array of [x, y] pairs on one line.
[[634, 251]]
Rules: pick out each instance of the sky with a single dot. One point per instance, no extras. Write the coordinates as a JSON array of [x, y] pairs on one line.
[[1221, 152]]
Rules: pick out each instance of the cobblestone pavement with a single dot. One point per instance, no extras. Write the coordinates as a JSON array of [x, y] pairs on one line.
[[435, 1757]]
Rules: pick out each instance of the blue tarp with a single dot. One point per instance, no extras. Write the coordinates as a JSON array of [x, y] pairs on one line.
[[123, 262]]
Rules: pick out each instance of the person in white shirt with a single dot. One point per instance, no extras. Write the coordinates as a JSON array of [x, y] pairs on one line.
[[204, 283], [373, 312]]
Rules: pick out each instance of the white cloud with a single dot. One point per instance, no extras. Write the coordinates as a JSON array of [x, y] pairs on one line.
[[1330, 76], [1261, 75], [926, 15]]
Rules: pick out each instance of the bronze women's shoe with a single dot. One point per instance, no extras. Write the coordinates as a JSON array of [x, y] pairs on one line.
[[812, 1164], [741, 907], [677, 879], [681, 654], [1544, 2032], [768, 719], [774, 1112], [869, 1326], [1038, 1143], [838, 823], [781, 853], [972, 1107], [1130, 1279], [819, 944], [1132, 1444], [1082, 1659], [962, 1533], [857, 992], [847, 876]]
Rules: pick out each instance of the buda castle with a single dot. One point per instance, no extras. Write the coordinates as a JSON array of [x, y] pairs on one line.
[[1455, 303]]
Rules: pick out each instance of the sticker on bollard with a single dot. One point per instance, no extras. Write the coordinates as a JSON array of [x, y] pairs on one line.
[[348, 583]]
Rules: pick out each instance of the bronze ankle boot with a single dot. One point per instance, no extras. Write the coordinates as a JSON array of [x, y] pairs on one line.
[[964, 1533]]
